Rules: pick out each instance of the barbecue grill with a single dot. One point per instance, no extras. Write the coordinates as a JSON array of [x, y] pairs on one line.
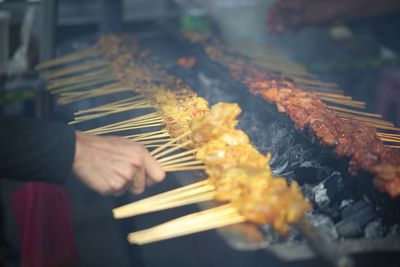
[[349, 216]]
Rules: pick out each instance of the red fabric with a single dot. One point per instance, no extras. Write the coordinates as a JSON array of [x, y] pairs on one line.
[[45, 227]]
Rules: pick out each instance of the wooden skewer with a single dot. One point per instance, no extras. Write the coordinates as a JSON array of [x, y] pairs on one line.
[[168, 151], [317, 83], [135, 119], [127, 128], [74, 56], [53, 75], [389, 137], [146, 134], [190, 219], [103, 114], [129, 124], [171, 199], [158, 141], [339, 96], [379, 126], [193, 223], [189, 230], [178, 160], [322, 90], [392, 146], [155, 146], [173, 204], [179, 155], [151, 137], [184, 169], [112, 104], [350, 103], [366, 119], [82, 86], [72, 65], [355, 112], [390, 140], [91, 76], [77, 96], [181, 163], [175, 140], [125, 210]]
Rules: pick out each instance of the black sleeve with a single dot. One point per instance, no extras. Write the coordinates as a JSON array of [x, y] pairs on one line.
[[35, 150]]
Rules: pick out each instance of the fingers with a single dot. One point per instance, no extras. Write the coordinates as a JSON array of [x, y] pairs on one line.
[[153, 168], [139, 181]]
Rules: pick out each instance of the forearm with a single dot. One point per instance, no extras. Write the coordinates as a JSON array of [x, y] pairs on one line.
[[35, 150], [357, 9]]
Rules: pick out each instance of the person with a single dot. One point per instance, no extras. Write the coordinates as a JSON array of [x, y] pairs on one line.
[[380, 17], [44, 151], [39, 150], [293, 15]]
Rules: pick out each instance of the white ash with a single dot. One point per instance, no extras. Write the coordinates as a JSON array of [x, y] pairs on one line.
[[345, 203], [320, 195]]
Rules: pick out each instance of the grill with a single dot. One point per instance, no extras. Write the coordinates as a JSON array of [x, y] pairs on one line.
[[348, 210]]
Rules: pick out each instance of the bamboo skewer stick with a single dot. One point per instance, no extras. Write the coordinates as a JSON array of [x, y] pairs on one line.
[[355, 112], [181, 164], [168, 151], [193, 223], [83, 86], [316, 82], [366, 119], [91, 51], [174, 204], [392, 146], [179, 169], [178, 155], [108, 105], [103, 114], [379, 126], [155, 146], [159, 236], [350, 103], [127, 125], [388, 134], [339, 96], [128, 128], [111, 89], [170, 199], [68, 81], [314, 89], [152, 137], [197, 217], [132, 120], [142, 105], [392, 137], [174, 161], [149, 142], [52, 75], [133, 136], [390, 140], [175, 140]]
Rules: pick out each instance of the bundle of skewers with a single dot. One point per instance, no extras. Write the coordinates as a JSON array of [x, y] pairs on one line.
[[238, 175], [370, 143]]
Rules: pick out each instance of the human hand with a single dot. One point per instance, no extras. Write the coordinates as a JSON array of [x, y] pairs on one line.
[[111, 165]]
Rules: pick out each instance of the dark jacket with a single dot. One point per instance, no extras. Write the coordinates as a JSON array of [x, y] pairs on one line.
[[35, 150]]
